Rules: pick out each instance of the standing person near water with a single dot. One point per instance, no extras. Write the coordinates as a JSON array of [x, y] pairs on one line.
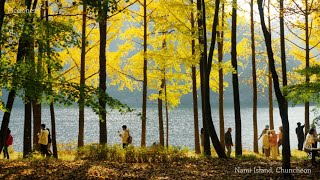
[[266, 144], [8, 142], [263, 133], [228, 141], [125, 135], [273, 144], [300, 135], [43, 140]]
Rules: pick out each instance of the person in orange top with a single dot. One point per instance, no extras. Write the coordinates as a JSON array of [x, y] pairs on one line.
[[273, 144]]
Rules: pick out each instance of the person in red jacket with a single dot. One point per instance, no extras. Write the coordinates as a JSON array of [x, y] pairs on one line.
[[8, 142]]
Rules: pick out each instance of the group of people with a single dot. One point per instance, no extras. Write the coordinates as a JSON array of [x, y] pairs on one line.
[[271, 142]]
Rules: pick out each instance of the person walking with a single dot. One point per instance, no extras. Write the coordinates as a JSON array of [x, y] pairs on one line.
[[300, 135], [125, 135], [228, 141], [263, 133], [43, 140], [273, 144], [8, 142]]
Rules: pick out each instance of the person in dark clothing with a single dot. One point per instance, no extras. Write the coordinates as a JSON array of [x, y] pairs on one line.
[[300, 135], [228, 141]]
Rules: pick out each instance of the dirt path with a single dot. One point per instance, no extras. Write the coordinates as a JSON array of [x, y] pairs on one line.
[[184, 169]]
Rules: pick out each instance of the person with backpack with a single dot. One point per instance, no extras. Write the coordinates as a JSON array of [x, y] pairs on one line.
[[126, 138], [8, 142], [43, 140]]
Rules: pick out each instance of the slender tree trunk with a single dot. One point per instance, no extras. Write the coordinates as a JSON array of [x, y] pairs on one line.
[[53, 131], [27, 130], [220, 59], [29, 59], [102, 81], [82, 75], [270, 77], [280, 98], [167, 113], [205, 69], [283, 52], [52, 113], [194, 89], [161, 131], [207, 151], [307, 104], [145, 80], [235, 81], [195, 110], [254, 84], [2, 14], [36, 104]]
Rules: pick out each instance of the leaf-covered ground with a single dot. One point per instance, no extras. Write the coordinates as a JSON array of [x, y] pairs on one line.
[[184, 169]]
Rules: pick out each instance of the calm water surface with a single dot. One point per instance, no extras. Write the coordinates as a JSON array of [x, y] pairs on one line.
[[180, 125]]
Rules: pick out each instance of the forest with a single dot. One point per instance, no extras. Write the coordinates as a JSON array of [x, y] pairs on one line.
[[69, 53]]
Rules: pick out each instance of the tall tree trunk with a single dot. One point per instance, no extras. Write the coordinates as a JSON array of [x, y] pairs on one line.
[[235, 81], [283, 52], [102, 81], [20, 55], [280, 98], [29, 59], [307, 104], [207, 151], [145, 80], [205, 69], [36, 104], [161, 131], [82, 75], [52, 113], [195, 109], [36, 107], [194, 89], [270, 77], [220, 59], [254, 83], [2, 14], [167, 113], [53, 131], [27, 130]]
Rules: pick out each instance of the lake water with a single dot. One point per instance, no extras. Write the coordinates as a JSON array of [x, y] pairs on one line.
[[180, 125]]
